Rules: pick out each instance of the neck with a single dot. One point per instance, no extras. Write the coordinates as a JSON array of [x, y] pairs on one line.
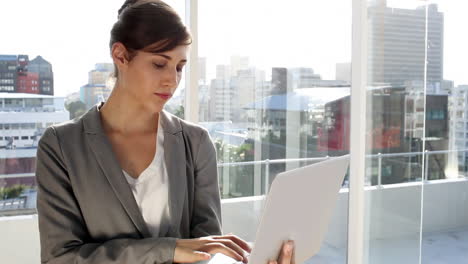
[[124, 115]]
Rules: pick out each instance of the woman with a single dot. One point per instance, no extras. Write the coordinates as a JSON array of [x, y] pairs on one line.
[[128, 182]]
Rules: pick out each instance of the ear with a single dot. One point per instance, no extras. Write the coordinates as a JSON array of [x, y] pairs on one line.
[[119, 55]]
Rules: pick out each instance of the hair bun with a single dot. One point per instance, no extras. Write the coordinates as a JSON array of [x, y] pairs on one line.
[[125, 5]]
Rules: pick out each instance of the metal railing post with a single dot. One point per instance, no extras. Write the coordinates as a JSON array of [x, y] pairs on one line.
[[267, 175], [426, 164], [379, 166]]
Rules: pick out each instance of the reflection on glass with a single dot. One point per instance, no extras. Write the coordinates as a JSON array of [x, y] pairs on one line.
[[416, 149], [272, 101], [395, 128], [444, 215]]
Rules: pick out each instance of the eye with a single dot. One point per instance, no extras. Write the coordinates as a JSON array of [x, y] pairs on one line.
[[159, 65], [180, 68]]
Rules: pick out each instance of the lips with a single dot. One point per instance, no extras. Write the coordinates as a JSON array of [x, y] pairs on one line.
[[164, 95]]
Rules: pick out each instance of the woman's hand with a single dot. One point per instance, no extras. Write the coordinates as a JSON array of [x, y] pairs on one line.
[[198, 249], [286, 255]]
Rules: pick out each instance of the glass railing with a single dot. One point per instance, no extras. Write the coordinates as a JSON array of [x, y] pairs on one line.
[[241, 179], [253, 178]]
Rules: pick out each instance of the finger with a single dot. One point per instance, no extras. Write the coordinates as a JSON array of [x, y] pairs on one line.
[[230, 244], [286, 253], [186, 255], [239, 241], [272, 262], [218, 247], [293, 254]]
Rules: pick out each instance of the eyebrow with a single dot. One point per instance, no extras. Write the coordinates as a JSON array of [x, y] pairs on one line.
[[168, 57]]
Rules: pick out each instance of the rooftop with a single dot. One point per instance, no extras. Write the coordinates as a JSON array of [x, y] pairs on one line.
[[26, 95]]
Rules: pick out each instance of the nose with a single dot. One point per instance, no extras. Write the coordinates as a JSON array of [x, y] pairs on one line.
[[171, 78]]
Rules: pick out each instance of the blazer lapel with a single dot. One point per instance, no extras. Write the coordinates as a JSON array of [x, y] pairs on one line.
[[102, 149], [175, 160]]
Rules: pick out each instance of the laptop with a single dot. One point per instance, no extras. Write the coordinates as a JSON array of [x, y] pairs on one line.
[[298, 207]]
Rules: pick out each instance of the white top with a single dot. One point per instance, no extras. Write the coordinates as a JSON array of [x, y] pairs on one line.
[[151, 192]]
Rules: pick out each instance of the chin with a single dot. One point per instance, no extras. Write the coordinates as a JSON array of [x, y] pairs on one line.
[[156, 107]]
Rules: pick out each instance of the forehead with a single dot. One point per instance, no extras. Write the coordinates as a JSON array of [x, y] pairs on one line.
[[178, 53]]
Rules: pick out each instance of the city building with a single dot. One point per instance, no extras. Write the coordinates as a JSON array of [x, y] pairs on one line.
[[99, 85], [8, 73], [229, 93], [458, 107], [46, 76], [302, 78], [400, 124], [23, 119], [19, 75], [28, 82], [397, 44]]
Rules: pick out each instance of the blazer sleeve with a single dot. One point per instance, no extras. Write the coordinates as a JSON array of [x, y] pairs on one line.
[[63, 234], [206, 216]]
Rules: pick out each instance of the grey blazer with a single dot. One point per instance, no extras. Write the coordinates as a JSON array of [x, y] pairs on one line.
[[87, 212]]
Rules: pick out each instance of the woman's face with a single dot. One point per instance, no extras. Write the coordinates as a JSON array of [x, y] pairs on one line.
[[152, 78]]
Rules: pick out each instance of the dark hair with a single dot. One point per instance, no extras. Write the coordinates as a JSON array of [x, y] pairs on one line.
[[148, 25]]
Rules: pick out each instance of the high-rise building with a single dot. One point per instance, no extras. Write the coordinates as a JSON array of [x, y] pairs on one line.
[[223, 72], [46, 76], [400, 123], [458, 107], [397, 44], [28, 82], [101, 73], [19, 75], [302, 78], [279, 80], [230, 94], [99, 85], [8, 73], [222, 95], [238, 63]]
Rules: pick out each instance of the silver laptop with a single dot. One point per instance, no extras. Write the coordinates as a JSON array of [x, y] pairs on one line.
[[298, 207]]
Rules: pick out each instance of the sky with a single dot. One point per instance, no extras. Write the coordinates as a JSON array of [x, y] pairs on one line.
[[74, 35]]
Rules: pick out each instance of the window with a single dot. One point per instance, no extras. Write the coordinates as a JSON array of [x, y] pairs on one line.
[[400, 43], [266, 72], [24, 137], [264, 99]]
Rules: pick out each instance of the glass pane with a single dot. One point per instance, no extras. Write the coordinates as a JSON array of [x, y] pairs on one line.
[[445, 216], [176, 105], [51, 83], [395, 125], [274, 95], [55, 64]]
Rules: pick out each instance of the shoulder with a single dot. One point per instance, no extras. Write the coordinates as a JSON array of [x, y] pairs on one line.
[[69, 130], [196, 138], [176, 124]]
